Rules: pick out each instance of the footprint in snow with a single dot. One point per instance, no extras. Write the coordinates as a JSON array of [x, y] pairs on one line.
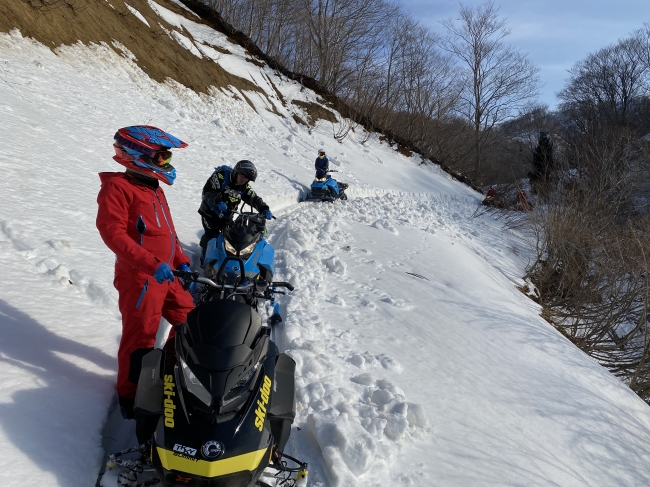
[[60, 244], [335, 265], [364, 379], [397, 302], [389, 363], [369, 304]]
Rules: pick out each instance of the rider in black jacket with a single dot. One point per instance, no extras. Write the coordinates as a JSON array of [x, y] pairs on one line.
[[221, 196]]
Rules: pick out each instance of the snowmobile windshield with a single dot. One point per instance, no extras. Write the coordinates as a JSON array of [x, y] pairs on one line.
[[219, 352], [241, 238]]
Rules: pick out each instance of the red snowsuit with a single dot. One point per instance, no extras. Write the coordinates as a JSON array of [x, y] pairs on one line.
[[134, 221]]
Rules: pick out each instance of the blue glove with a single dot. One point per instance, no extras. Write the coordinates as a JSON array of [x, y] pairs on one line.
[[222, 207], [267, 214], [188, 285], [163, 273]]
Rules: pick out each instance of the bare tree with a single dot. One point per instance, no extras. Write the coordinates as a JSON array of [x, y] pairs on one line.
[[642, 48], [344, 34], [370, 54], [498, 79], [605, 85]]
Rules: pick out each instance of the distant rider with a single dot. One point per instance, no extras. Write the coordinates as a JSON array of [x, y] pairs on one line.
[[222, 193], [134, 221], [322, 166]]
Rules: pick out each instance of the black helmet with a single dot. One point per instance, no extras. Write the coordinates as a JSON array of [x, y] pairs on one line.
[[245, 168]]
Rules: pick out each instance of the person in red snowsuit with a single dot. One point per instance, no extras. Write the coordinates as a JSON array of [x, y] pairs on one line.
[[134, 221]]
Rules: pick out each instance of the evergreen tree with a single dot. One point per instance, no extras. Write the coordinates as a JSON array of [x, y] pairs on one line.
[[543, 164]]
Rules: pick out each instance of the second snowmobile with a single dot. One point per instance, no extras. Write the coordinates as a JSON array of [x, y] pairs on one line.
[[327, 189], [241, 257]]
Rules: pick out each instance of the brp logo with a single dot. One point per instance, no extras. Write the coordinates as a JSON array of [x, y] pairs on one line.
[[212, 449], [186, 450]]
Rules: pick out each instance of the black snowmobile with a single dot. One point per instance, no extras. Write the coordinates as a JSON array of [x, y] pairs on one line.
[[218, 401], [327, 189]]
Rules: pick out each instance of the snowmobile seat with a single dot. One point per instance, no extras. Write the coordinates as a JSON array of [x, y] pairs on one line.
[[149, 394], [283, 407], [148, 407]]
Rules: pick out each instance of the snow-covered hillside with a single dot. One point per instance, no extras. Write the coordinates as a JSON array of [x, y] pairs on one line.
[[419, 362]]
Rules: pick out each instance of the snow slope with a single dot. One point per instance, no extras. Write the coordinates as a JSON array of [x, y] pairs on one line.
[[447, 379]]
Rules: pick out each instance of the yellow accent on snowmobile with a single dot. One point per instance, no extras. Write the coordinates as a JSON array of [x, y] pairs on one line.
[[301, 478], [247, 461]]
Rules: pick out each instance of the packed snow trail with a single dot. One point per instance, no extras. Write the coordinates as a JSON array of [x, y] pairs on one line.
[[353, 415]]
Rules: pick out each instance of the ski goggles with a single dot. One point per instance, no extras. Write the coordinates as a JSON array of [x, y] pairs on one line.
[[162, 159]]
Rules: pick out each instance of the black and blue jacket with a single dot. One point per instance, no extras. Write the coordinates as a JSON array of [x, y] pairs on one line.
[[220, 187]]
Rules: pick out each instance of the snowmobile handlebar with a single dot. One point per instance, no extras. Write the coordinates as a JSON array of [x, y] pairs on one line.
[[282, 284], [194, 276], [242, 212]]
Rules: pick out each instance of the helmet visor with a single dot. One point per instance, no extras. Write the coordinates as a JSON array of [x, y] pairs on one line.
[[163, 160]]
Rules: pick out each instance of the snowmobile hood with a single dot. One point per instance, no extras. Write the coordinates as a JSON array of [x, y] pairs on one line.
[[245, 230], [223, 324], [222, 343], [240, 237], [244, 234]]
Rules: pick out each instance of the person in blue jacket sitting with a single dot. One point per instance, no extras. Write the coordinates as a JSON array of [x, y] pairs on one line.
[[322, 165]]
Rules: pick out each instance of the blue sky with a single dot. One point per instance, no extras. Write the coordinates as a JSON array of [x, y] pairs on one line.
[[554, 33]]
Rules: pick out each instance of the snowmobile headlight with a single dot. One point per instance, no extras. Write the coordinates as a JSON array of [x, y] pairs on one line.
[[247, 251], [229, 248], [194, 385], [241, 387]]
